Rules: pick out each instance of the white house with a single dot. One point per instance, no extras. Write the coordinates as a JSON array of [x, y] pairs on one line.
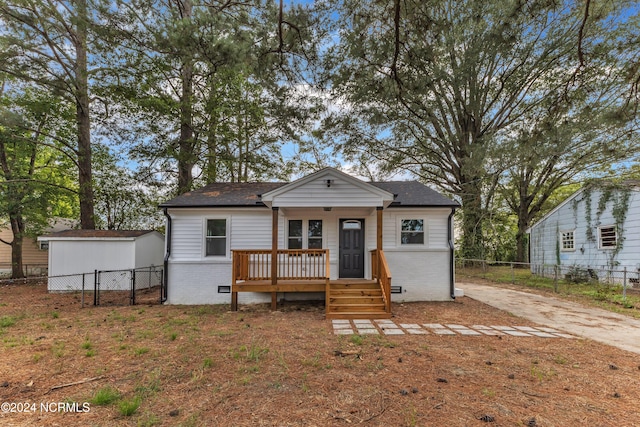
[[331, 234], [74, 252], [597, 227]]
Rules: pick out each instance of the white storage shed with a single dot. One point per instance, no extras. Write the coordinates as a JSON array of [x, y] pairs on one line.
[[73, 253]]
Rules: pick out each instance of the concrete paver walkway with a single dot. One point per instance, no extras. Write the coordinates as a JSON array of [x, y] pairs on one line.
[[388, 327], [593, 323]]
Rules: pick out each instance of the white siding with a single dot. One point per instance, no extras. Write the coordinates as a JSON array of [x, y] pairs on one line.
[[421, 270], [545, 235], [75, 257], [149, 250], [317, 194]]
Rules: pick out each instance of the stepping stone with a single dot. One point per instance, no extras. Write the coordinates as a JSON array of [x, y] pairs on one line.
[[503, 328], [388, 326], [490, 332], [481, 327], [526, 328], [456, 327], [343, 331], [384, 321], [542, 334], [443, 331], [550, 330], [410, 325], [392, 331], [433, 325], [363, 322], [517, 333], [342, 326], [365, 331], [341, 321], [412, 331], [467, 332]]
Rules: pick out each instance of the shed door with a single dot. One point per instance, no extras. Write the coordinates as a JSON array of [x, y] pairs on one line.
[[351, 248]]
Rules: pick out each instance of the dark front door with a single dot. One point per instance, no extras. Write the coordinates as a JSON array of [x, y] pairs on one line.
[[351, 248]]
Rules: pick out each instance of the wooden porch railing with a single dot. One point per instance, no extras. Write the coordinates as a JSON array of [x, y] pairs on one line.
[[293, 264], [381, 273]]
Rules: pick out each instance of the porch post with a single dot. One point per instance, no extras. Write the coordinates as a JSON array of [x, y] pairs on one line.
[[274, 255], [379, 239]]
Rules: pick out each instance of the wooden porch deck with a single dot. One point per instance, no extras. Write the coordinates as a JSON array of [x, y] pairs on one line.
[[308, 271], [295, 285]]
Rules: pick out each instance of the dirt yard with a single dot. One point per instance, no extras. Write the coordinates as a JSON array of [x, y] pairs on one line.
[[151, 365]]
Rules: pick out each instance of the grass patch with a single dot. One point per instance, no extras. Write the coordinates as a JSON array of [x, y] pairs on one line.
[[357, 339], [7, 321], [252, 353], [129, 406], [142, 350], [105, 396]]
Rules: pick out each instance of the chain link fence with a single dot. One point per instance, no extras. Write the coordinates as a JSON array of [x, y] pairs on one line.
[[614, 285], [112, 287], [29, 270]]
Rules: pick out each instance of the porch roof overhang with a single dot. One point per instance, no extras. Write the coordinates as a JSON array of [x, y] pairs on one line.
[[328, 188]]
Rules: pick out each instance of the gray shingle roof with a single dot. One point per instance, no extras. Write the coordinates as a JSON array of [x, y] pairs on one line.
[[247, 194], [414, 193], [98, 233]]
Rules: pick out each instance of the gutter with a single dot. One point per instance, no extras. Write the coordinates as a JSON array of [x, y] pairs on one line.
[[167, 254], [452, 282]]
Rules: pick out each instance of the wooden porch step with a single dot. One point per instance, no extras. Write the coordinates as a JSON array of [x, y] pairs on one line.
[[354, 285], [363, 308], [359, 315], [357, 293], [355, 299]]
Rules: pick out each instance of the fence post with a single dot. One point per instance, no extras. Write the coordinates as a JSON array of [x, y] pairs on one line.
[[624, 284], [82, 299], [555, 278], [96, 285], [513, 275], [133, 286]]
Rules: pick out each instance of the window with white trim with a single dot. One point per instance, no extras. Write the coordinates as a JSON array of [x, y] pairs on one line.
[[44, 245], [567, 241], [608, 237], [216, 237], [412, 231], [296, 238]]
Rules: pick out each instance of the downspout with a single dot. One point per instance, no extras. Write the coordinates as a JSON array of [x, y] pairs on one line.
[[167, 254], [452, 282]]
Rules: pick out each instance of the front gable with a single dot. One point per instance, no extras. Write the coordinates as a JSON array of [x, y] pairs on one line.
[[328, 188]]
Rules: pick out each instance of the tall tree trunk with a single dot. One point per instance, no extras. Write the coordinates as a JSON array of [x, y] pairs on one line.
[[17, 228], [87, 219], [521, 238], [472, 217], [186, 145]]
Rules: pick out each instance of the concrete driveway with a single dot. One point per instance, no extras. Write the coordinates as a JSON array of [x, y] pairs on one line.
[[593, 323]]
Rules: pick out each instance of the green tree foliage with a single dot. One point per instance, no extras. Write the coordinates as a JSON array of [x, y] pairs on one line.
[[205, 87], [123, 202], [34, 184], [441, 88], [47, 44]]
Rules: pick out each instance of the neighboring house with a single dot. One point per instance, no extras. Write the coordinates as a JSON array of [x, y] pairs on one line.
[[75, 252], [35, 254], [598, 227], [330, 233]]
